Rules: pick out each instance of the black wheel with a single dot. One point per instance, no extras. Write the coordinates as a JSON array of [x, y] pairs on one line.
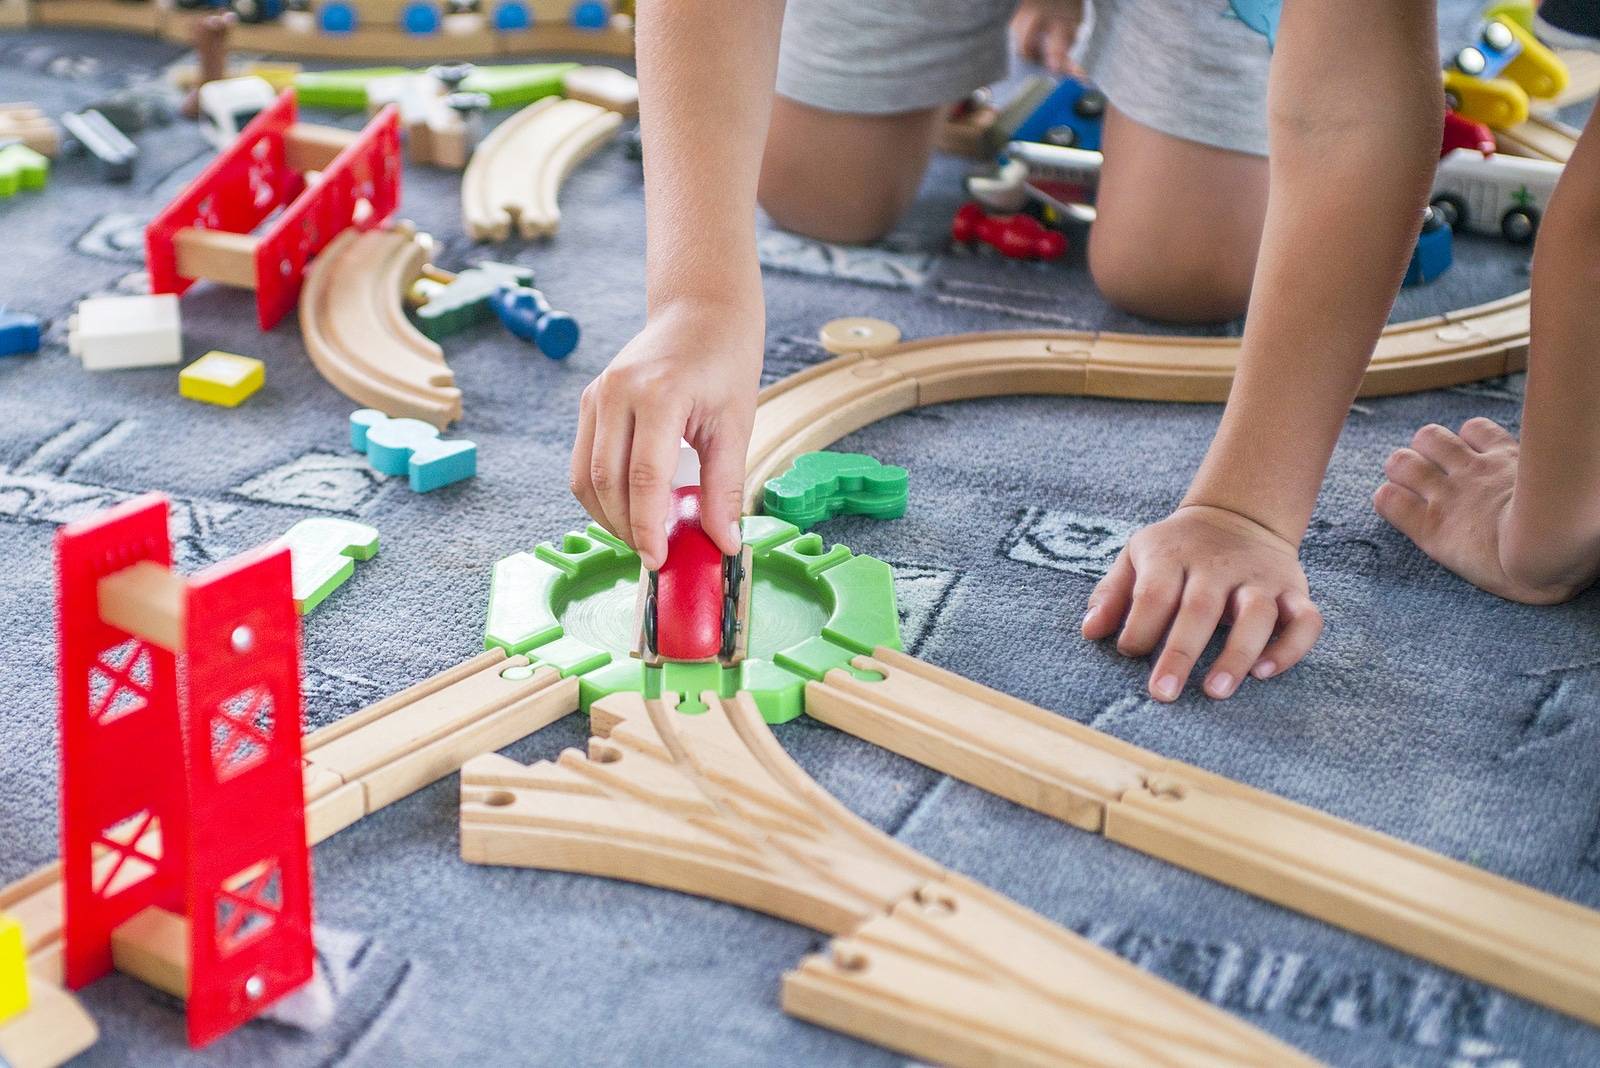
[[1519, 225], [1091, 105], [730, 626], [1064, 136], [1432, 219], [650, 617], [1452, 101], [1451, 209]]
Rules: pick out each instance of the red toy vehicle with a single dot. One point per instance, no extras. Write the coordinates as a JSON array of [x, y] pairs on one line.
[[1020, 237], [1462, 132]]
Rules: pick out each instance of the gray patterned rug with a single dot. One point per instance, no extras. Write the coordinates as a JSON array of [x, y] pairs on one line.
[[1429, 710]]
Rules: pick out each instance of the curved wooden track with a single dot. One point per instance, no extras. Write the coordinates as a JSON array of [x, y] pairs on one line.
[[875, 376], [514, 178], [357, 333], [926, 962]]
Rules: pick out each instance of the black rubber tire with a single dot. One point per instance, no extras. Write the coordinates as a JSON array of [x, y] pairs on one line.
[[1452, 209], [1520, 225]]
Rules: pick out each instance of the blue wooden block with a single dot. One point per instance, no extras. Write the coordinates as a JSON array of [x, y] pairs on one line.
[[19, 333], [413, 448]]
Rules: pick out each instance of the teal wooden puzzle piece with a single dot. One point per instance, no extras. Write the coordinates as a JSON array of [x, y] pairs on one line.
[[821, 485], [21, 168], [413, 448], [463, 302], [323, 554]]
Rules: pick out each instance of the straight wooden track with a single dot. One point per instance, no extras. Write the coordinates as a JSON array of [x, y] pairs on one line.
[[353, 323], [514, 178], [926, 962]]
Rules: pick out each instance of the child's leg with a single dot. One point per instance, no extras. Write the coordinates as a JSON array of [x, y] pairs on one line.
[[1178, 224], [841, 177], [1524, 521]]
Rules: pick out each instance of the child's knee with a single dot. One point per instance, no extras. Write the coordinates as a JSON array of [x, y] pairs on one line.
[[799, 197], [1172, 284]]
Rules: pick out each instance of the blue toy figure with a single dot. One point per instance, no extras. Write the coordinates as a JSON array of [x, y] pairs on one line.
[[411, 447], [1434, 252], [525, 312]]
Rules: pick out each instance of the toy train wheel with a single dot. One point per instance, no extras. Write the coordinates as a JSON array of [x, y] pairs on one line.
[[650, 617], [1451, 209], [732, 576], [1519, 225]]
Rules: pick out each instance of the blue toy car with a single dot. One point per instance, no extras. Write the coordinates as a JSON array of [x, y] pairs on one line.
[[1434, 251], [1071, 116]]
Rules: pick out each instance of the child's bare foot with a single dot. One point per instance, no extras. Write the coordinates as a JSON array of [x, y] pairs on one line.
[[1451, 494]]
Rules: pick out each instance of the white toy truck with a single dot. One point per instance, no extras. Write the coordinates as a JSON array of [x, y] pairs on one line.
[[1496, 194]]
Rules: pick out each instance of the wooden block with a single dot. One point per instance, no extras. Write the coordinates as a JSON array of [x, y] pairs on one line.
[[605, 87], [112, 333], [26, 123], [332, 812], [14, 14], [53, 1030], [153, 946], [140, 16], [222, 378], [308, 147], [147, 600]]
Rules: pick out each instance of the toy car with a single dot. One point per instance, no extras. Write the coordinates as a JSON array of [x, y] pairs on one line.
[[1506, 50], [1071, 116], [228, 105], [1494, 194], [1019, 237], [1462, 132]]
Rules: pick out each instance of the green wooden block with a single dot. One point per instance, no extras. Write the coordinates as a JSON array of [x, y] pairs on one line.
[[579, 553], [762, 532], [517, 85], [21, 168], [821, 485], [864, 613], [520, 597], [323, 552], [339, 90]]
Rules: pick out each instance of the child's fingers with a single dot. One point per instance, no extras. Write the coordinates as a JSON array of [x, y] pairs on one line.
[[1255, 615], [582, 451], [1441, 446], [1024, 29], [1109, 601], [1057, 44], [1486, 434], [608, 465], [1301, 626], [1403, 509], [1414, 471], [651, 462], [1199, 612], [1157, 585], [722, 465]]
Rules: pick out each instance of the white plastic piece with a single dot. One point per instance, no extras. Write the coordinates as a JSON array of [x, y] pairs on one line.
[[228, 104], [1005, 192], [688, 470], [110, 333]]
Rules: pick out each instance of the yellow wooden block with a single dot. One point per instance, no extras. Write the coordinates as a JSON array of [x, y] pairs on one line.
[[13, 969], [221, 378]]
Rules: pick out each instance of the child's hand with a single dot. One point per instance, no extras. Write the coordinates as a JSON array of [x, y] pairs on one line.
[[1045, 30], [691, 373], [1199, 567]]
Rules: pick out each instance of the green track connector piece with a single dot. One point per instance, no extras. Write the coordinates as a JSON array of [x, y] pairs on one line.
[[323, 552], [21, 168], [821, 485], [570, 604], [464, 302], [339, 90], [517, 85]]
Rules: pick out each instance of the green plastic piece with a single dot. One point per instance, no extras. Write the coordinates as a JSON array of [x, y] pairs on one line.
[[21, 168], [340, 90], [517, 85], [571, 603], [507, 86], [463, 302], [323, 552], [822, 485]]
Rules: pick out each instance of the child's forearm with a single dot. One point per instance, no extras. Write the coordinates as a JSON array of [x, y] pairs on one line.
[[1557, 498], [1355, 110], [706, 71]]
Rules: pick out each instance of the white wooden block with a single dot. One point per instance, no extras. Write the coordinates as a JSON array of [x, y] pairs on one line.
[[108, 333]]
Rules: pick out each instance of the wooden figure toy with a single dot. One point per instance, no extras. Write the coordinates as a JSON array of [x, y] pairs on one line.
[[413, 448]]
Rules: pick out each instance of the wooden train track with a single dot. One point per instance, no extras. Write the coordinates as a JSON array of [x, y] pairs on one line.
[[514, 178], [875, 375], [1541, 137], [461, 36], [354, 326], [926, 962]]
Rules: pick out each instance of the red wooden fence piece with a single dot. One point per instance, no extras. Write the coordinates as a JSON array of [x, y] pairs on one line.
[[234, 857], [251, 179]]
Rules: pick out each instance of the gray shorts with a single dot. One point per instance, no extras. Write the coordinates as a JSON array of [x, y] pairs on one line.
[[1189, 68]]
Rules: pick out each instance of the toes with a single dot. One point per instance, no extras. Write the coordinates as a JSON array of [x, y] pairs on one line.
[[1403, 509], [1486, 434], [1442, 446], [1414, 471]]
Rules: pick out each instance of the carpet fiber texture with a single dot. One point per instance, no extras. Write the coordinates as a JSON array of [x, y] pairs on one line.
[[1429, 710]]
